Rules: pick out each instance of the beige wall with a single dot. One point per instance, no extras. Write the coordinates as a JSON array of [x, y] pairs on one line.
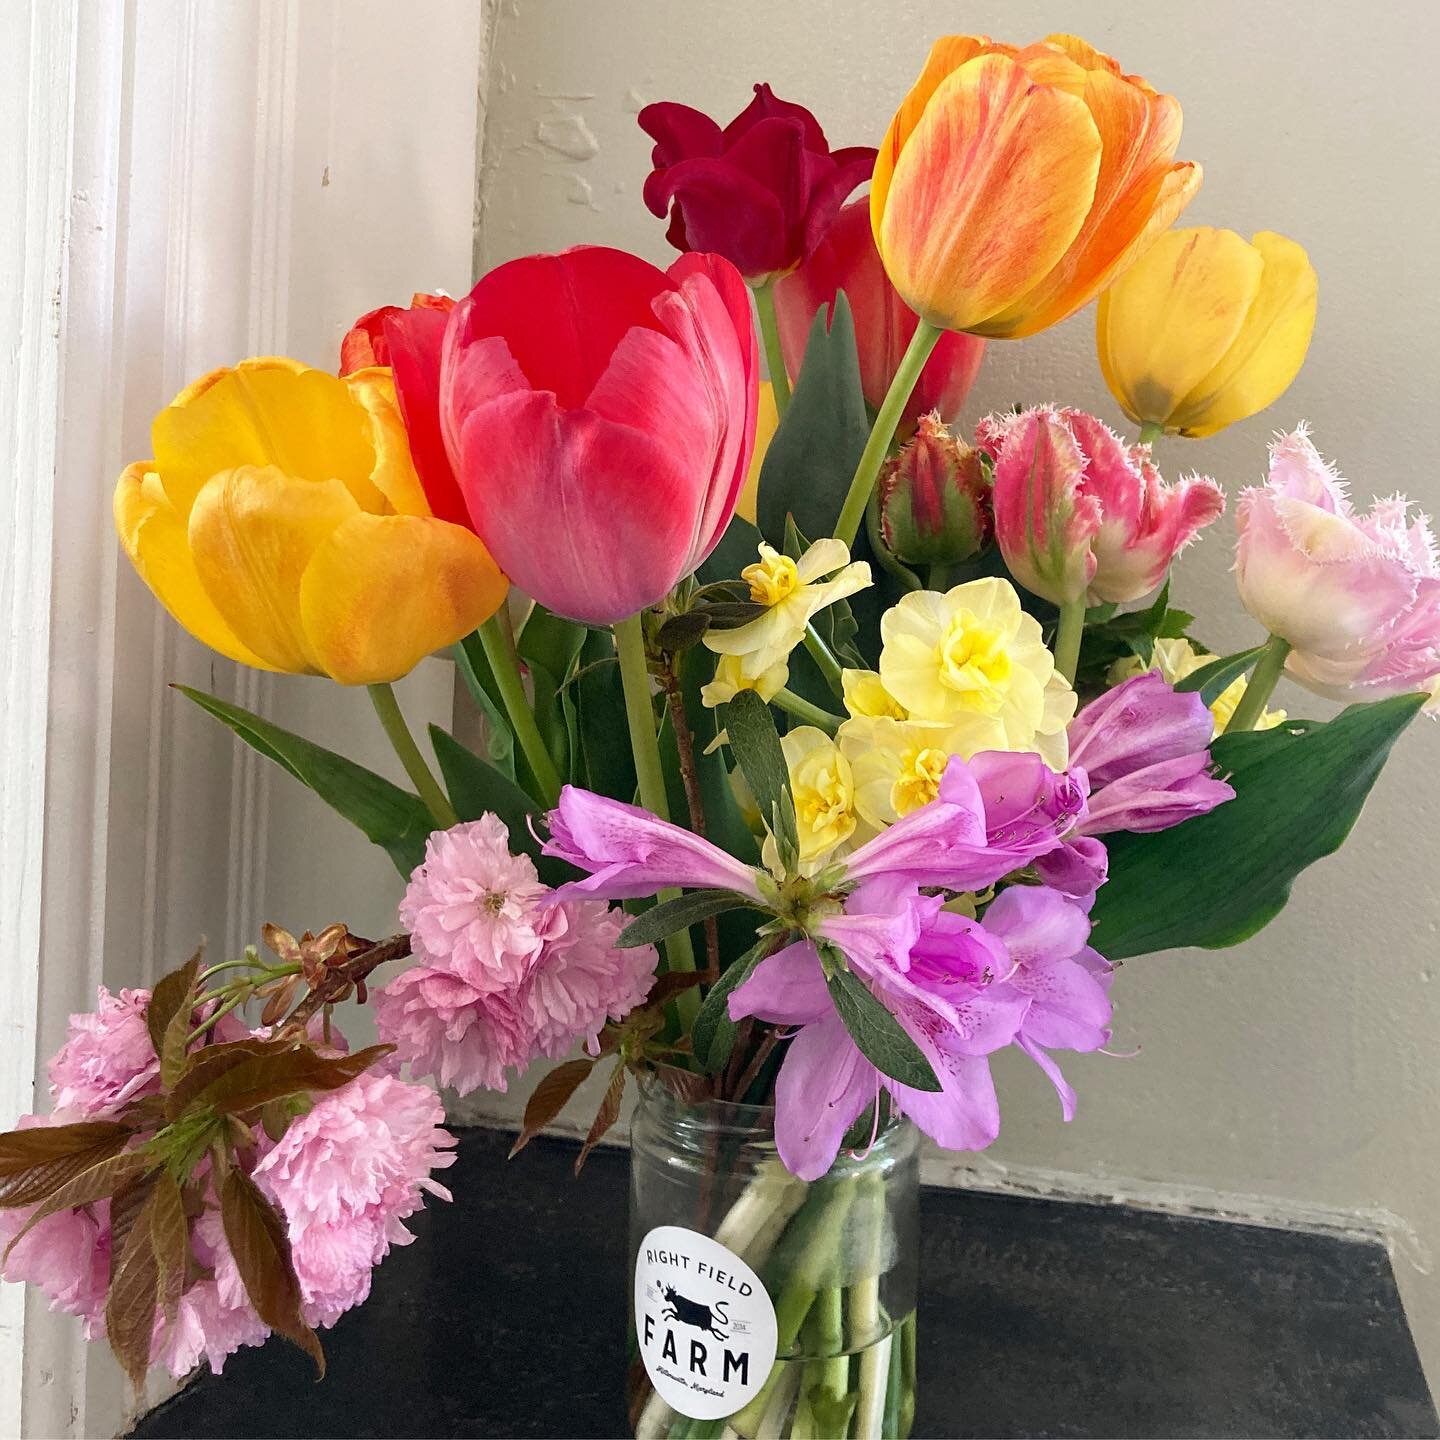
[[1301, 1066]]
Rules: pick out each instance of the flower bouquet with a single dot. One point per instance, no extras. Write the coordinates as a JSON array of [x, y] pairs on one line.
[[824, 752]]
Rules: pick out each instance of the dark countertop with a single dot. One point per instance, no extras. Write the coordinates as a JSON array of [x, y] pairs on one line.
[[507, 1317]]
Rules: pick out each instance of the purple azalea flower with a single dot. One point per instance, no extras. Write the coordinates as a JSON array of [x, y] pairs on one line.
[[967, 989], [629, 852], [1144, 747]]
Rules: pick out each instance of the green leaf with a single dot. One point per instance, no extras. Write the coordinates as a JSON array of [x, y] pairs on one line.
[[475, 671], [712, 1036], [1217, 879], [739, 546], [600, 704], [549, 646], [679, 914], [812, 456], [756, 746], [880, 1036], [257, 1238], [1213, 678], [392, 818]]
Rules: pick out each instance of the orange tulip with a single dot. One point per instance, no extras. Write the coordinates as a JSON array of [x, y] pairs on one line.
[[1013, 185]]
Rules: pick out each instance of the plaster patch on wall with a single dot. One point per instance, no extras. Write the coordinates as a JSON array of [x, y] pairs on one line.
[[568, 135]]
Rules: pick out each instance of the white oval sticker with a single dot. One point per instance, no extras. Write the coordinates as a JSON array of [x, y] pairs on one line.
[[704, 1321]]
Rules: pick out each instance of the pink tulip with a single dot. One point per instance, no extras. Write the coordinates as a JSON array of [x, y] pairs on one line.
[[1356, 596], [600, 414], [1076, 511], [846, 259]]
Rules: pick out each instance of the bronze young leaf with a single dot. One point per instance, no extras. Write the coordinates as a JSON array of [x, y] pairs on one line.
[[606, 1116], [548, 1099], [99, 1182], [256, 1235], [206, 1066], [167, 1000], [35, 1163], [274, 1074], [170, 1240], [133, 1298]]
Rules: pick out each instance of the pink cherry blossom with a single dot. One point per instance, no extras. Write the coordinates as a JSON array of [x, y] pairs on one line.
[[107, 1057]]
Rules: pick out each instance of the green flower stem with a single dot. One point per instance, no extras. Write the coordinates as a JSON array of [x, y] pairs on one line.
[[427, 787], [1151, 431], [770, 338], [640, 716], [1268, 669], [802, 709], [938, 578], [1067, 637], [500, 652], [824, 659], [883, 431], [895, 1384]]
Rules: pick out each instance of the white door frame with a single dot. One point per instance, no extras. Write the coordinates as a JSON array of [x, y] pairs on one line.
[[184, 182]]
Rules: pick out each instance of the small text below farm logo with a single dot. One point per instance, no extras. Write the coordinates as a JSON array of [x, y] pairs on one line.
[[704, 1321]]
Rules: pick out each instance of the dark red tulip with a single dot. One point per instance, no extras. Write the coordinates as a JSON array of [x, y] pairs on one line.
[[761, 192]]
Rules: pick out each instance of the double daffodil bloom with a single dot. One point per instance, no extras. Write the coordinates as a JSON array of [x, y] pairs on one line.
[[1206, 328], [1173, 660], [730, 679], [822, 785], [793, 592], [864, 695], [281, 522], [971, 657], [897, 764]]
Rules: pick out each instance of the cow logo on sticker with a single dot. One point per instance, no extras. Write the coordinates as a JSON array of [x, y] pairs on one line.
[[704, 1321]]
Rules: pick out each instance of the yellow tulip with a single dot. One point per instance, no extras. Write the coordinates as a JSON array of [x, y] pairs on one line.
[[282, 523], [1014, 184], [767, 422], [1206, 328]]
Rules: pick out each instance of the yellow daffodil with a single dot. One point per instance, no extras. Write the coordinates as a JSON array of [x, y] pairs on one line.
[[793, 592], [1206, 328], [281, 522], [865, 694], [1173, 660], [823, 788], [897, 764], [973, 658], [730, 679]]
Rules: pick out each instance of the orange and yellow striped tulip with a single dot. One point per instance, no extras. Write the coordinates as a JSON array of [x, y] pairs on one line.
[[1013, 185], [281, 522], [1206, 328]]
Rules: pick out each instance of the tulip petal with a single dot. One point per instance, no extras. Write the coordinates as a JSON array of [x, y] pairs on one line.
[[1173, 317], [153, 536], [727, 209], [990, 143], [253, 530], [383, 591], [270, 411], [1269, 350], [608, 549], [394, 474], [415, 339], [767, 422], [1139, 132]]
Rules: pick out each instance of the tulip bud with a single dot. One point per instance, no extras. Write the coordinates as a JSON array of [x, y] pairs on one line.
[[935, 499]]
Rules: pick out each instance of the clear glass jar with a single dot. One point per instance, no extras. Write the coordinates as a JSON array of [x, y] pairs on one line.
[[763, 1305]]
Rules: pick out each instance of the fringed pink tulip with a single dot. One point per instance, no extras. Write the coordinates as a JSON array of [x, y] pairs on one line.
[[600, 414], [846, 259], [1357, 597], [1078, 512]]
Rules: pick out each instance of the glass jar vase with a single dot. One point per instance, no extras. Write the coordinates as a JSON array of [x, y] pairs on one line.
[[763, 1305]]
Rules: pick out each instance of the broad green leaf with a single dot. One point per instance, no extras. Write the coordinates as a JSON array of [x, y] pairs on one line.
[[257, 1238], [1216, 676], [664, 919], [880, 1036], [600, 703], [393, 818], [549, 646], [475, 788], [1217, 879], [739, 546], [712, 1036], [812, 456], [756, 746]]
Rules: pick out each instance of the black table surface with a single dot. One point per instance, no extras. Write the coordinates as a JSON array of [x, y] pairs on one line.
[[507, 1317]]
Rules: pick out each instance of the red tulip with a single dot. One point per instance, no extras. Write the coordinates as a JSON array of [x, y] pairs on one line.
[[600, 414], [761, 192], [408, 341], [846, 259]]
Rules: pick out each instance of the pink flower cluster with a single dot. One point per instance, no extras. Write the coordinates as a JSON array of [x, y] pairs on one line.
[[505, 972], [344, 1176]]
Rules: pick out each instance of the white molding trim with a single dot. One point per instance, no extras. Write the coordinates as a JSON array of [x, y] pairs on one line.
[[184, 182]]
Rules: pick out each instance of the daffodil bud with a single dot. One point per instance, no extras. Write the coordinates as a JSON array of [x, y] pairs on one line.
[[935, 499]]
